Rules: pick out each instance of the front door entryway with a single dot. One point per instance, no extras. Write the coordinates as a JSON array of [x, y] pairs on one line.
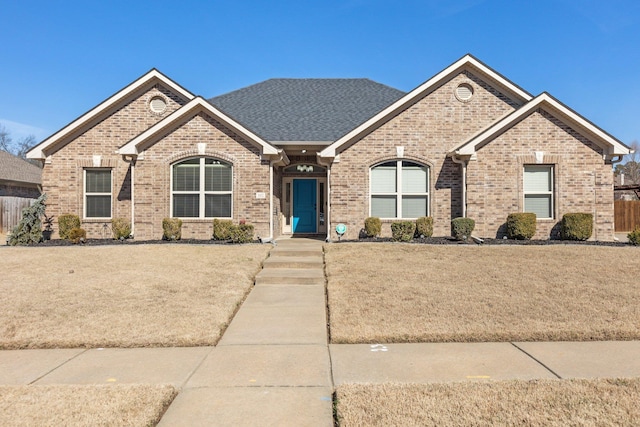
[[304, 206]]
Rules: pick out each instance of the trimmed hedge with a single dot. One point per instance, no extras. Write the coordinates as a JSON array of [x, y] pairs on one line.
[[171, 229], [403, 231], [77, 235], [66, 223], [222, 229], [576, 226], [521, 225], [242, 233], [634, 236], [372, 226], [120, 228], [424, 226], [461, 228]]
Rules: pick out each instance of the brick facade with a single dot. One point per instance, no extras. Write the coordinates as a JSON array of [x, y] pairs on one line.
[[582, 180], [427, 130]]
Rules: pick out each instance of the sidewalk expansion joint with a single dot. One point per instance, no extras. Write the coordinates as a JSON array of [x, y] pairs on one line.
[[538, 361], [60, 365]]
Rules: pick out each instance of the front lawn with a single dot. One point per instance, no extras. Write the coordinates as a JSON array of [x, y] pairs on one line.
[[611, 402], [84, 405], [122, 295], [389, 292]]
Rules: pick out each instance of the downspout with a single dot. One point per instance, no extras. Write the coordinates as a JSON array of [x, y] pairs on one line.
[[464, 182], [327, 164], [132, 162]]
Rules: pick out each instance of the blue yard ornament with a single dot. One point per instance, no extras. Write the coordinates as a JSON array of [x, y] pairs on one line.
[[341, 229]]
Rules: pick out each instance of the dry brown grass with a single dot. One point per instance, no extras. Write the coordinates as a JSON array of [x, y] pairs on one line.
[[384, 292], [603, 402], [122, 295], [83, 405]]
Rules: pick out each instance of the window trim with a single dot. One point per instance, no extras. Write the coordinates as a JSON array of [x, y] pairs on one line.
[[399, 194], [88, 194], [202, 193], [550, 193]]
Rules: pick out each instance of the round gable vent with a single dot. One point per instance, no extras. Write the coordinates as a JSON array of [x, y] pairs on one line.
[[464, 92], [158, 105]]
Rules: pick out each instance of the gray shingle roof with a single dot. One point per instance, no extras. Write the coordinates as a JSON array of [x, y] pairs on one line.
[[306, 109], [15, 169]]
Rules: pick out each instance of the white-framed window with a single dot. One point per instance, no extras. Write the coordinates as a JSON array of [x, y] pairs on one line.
[[399, 189], [97, 193], [538, 190], [201, 188]]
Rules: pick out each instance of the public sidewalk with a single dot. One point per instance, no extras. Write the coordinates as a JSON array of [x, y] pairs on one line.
[[274, 366]]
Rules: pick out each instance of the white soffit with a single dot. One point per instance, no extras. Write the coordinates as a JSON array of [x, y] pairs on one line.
[[152, 76], [555, 107], [195, 106], [421, 91]]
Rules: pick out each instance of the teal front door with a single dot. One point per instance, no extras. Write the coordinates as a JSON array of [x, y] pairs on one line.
[[304, 206]]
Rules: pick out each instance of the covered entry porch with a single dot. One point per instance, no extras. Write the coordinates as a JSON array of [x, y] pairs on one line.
[[304, 199]]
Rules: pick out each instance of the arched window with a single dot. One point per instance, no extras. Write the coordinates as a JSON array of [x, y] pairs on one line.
[[399, 189], [201, 188]]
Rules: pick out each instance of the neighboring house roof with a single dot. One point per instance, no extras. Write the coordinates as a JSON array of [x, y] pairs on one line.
[[466, 62], [149, 79], [15, 169], [186, 112], [306, 110], [611, 145]]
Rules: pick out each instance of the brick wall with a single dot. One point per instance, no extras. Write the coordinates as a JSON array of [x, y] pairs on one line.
[[152, 178], [427, 130], [583, 182]]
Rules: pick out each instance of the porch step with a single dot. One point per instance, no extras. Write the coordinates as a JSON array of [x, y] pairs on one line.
[[290, 276], [291, 252], [279, 261]]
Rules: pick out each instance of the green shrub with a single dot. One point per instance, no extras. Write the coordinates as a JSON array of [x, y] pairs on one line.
[[121, 228], [424, 226], [634, 236], [66, 223], [461, 228], [222, 229], [521, 225], [576, 226], [372, 226], [171, 228], [29, 229], [242, 233], [403, 231], [77, 235]]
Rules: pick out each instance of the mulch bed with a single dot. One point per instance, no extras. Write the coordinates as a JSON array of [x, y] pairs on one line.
[[485, 241]]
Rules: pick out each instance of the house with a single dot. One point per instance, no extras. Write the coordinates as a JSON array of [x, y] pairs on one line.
[[19, 178], [304, 155], [20, 184]]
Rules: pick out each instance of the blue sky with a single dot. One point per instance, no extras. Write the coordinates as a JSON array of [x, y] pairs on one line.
[[61, 58]]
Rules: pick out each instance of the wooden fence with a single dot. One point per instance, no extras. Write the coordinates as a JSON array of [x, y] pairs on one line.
[[627, 214], [11, 211]]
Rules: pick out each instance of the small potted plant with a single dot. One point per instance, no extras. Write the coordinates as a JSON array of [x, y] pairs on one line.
[[48, 227]]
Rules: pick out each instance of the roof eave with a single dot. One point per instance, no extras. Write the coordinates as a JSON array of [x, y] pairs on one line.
[[196, 105], [420, 92], [39, 151]]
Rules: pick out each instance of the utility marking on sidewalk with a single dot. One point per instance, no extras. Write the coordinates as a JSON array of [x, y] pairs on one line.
[[473, 377], [379, 347]]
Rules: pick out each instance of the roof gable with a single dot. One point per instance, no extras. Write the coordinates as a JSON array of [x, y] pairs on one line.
[[15, 169], [611, 145], [97, 113], [306, 110], [187, 111], [466, 62]]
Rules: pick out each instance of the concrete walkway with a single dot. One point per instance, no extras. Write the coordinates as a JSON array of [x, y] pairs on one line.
[[274, 366]]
